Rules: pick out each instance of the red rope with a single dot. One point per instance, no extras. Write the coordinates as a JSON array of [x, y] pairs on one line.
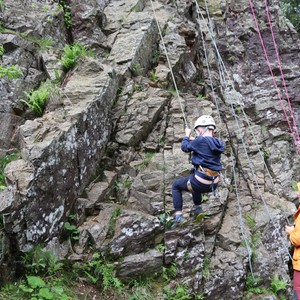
[[274, 80], [281, 72]]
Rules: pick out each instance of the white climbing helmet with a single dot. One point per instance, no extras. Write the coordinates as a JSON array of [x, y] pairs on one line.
[[205, 121]]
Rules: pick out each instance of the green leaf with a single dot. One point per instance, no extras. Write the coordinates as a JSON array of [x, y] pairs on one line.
[[35, 281], [45, 292], [70, 227]]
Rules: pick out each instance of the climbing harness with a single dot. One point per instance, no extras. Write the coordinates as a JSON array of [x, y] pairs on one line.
[[189, 186]]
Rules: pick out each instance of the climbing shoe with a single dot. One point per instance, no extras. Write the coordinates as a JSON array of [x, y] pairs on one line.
[[178, 220], [198, 210], [198, 214]]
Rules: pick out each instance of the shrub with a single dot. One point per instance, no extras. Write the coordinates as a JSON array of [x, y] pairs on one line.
[[71, 55], [37, 100]]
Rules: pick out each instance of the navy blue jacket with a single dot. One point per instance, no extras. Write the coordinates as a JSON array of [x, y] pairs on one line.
[[206, 151]]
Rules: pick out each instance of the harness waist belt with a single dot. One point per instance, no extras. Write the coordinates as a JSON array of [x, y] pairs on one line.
[[208, 172]]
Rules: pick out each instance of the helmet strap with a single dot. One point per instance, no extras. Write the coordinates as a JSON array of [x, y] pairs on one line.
[[205, 129]]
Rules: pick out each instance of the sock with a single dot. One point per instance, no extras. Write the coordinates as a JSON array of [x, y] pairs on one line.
[[177, 213]]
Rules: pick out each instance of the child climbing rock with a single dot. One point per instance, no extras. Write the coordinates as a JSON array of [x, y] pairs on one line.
[[206, 154]]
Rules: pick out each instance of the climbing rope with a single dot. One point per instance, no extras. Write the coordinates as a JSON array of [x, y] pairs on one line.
[[281, 72], [222, 71], [249, 251], [208, 68], [294, 130], [170, 66], [241, 223]]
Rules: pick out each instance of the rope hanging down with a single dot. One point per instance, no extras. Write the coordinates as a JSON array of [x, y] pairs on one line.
[[170, 66], [281, 71], [293, 131], [222, 70]]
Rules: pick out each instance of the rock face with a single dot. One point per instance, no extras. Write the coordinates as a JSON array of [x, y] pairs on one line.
[[107, 148]]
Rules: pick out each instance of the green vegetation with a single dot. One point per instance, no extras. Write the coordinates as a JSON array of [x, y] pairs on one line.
[[254, 286], [112, 222], [181, 292], [250, 221], [99, 271], [145, 163], [266, 153], [166, 219], [294, 185], [42, 281], [277, 285], [136, 69], [71, 55], [1, 50], [206, 270], [4, 160], [153, 76], [169, 273], [43, 43], [201, 97], [72, 230], [67, 13], [2, 5], [155, 57], [11, 72], [231, 59], [37, 100], [137, 87], [291, 9]]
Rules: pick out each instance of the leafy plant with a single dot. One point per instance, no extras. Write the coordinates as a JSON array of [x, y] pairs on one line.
[[11, 72], [35, 288], [137, 69], [250, 221], [277, 285], [96, 270], [253, 285], [169, 273], [71, 55], [146, 161], [37, 99], [138, 87], [179, 293], [63, 5], [155, 56], [166, 219], [112, 222], [44, 43], [153, 76], [291, 9], [200, 97], [72, 230], [41, 262], [1, 50], [266, 153], [206, 271], [231, 59], [68, 19], [4, 161], [2, 5], [294, 186]]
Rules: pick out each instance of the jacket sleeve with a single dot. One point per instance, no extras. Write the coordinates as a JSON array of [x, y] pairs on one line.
[[295, 237], [187, 145]]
